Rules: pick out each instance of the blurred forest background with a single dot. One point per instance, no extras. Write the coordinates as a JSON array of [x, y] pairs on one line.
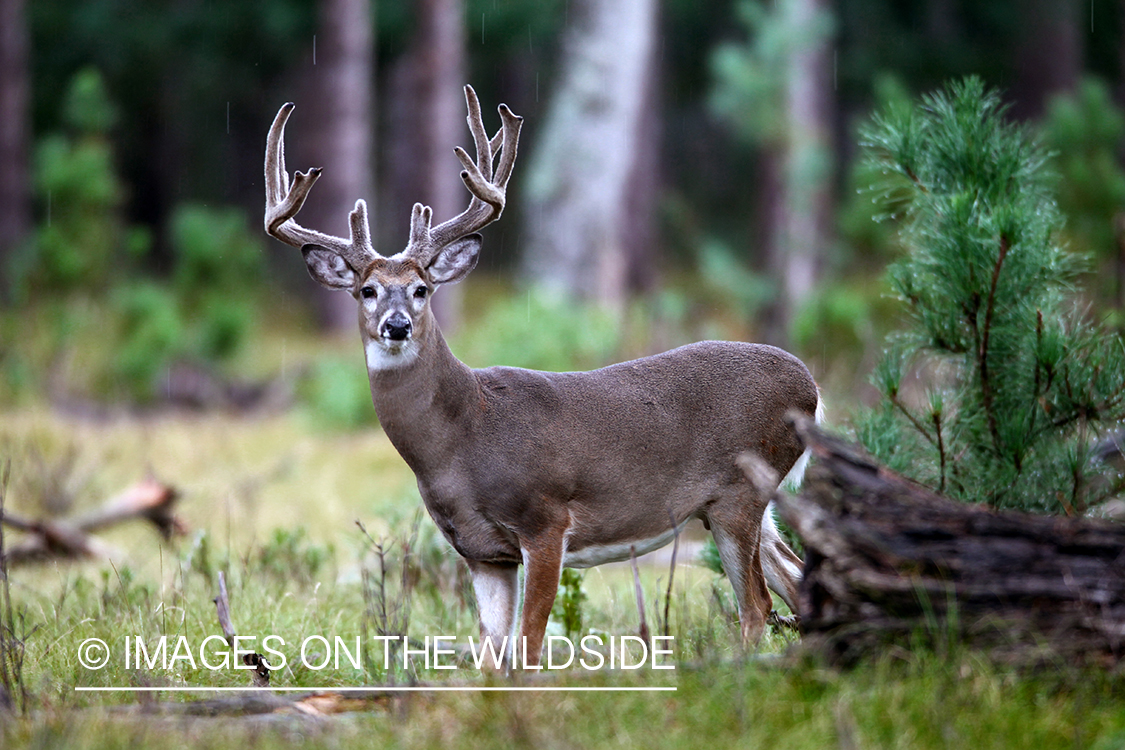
[[688, 170]]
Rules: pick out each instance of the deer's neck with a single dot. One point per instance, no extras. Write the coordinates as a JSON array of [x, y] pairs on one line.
[[423, 404]]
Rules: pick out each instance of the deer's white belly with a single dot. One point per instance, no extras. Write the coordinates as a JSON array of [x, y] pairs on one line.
[[597, 554]]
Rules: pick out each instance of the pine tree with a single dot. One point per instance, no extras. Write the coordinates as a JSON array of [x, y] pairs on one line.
[[1019, 384]]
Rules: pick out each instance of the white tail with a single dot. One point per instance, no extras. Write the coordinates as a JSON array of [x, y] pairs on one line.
[[554, 469], [796, 475]]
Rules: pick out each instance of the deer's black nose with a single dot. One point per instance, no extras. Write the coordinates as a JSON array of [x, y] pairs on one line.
[[396, 327]]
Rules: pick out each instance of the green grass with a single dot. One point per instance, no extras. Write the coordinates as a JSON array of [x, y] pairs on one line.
[[273, 502], [956, 703]]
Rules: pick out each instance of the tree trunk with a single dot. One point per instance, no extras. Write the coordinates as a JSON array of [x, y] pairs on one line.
[[15, 181], [341, 131], [588, 166], [434, 120], [890, 562], [643, 188], [1050, 56], [803, 234]]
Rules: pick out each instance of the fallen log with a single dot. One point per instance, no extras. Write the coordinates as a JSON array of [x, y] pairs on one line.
[[890, 562], [313, 704]]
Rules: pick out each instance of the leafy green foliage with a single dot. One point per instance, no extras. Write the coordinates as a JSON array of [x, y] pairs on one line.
[[205, 314], [337, 394], [217, 276], [186, 77], [85, 263], [83, 240], [745, 291], [540, 331], [861, 206], [1085, 130], [751, 78], [151, 333], [87, 107], [1017, 383], [567, 610], [289, 556], [709, 557], [839, 317]]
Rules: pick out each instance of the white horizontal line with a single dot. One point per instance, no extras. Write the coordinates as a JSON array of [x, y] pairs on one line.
[[378, 689]]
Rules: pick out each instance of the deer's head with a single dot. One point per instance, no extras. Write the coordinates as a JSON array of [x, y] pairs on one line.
[[394, 291]]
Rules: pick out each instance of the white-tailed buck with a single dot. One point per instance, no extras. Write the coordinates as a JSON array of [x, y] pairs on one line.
[[552, 469]]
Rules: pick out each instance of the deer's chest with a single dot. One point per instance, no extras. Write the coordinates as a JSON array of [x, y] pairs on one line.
[[473, 536]]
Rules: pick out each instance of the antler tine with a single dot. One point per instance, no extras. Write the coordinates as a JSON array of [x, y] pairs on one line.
[[480, 136], [360, 228], [487, 188], [510, 130], [284, 198], [281, 170], [277, 183], [420, 218]]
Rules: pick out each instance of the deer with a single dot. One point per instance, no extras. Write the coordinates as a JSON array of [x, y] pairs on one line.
[[548, 470]]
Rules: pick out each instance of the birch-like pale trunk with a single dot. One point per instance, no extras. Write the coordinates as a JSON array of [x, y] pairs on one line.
[[590, 149]]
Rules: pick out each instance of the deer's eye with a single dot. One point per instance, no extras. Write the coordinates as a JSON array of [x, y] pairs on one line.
[[367, 292], [421, 292]]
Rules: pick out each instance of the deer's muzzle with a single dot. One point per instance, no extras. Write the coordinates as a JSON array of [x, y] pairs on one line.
[[396, 327]]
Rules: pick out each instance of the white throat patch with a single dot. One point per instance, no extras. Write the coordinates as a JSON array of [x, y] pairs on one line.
[[381, 357]]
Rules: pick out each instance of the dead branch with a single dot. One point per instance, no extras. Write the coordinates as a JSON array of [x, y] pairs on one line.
[[266, 703], [148, 499]]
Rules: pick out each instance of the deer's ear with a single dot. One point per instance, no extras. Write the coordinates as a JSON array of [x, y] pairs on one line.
[[328, 268], [455, 260]]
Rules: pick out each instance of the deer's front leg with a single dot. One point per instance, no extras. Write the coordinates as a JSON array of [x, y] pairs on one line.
[[542, 559], [495, 586]]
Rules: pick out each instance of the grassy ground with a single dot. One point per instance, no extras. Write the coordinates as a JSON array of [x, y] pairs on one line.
[[273, 501]]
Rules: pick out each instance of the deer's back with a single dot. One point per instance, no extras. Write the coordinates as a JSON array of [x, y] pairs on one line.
[[696, 405]]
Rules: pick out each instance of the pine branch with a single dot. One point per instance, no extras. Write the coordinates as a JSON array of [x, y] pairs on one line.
[[936, 416], [987, 287], [985, 381], [913, 420]]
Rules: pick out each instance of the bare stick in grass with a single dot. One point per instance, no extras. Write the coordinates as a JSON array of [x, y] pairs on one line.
[[389, 614], [260, 675], [643, 632], [671, 570]]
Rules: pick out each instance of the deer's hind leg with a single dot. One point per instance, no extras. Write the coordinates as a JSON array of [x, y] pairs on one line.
[[736, 524], [781, 565]]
